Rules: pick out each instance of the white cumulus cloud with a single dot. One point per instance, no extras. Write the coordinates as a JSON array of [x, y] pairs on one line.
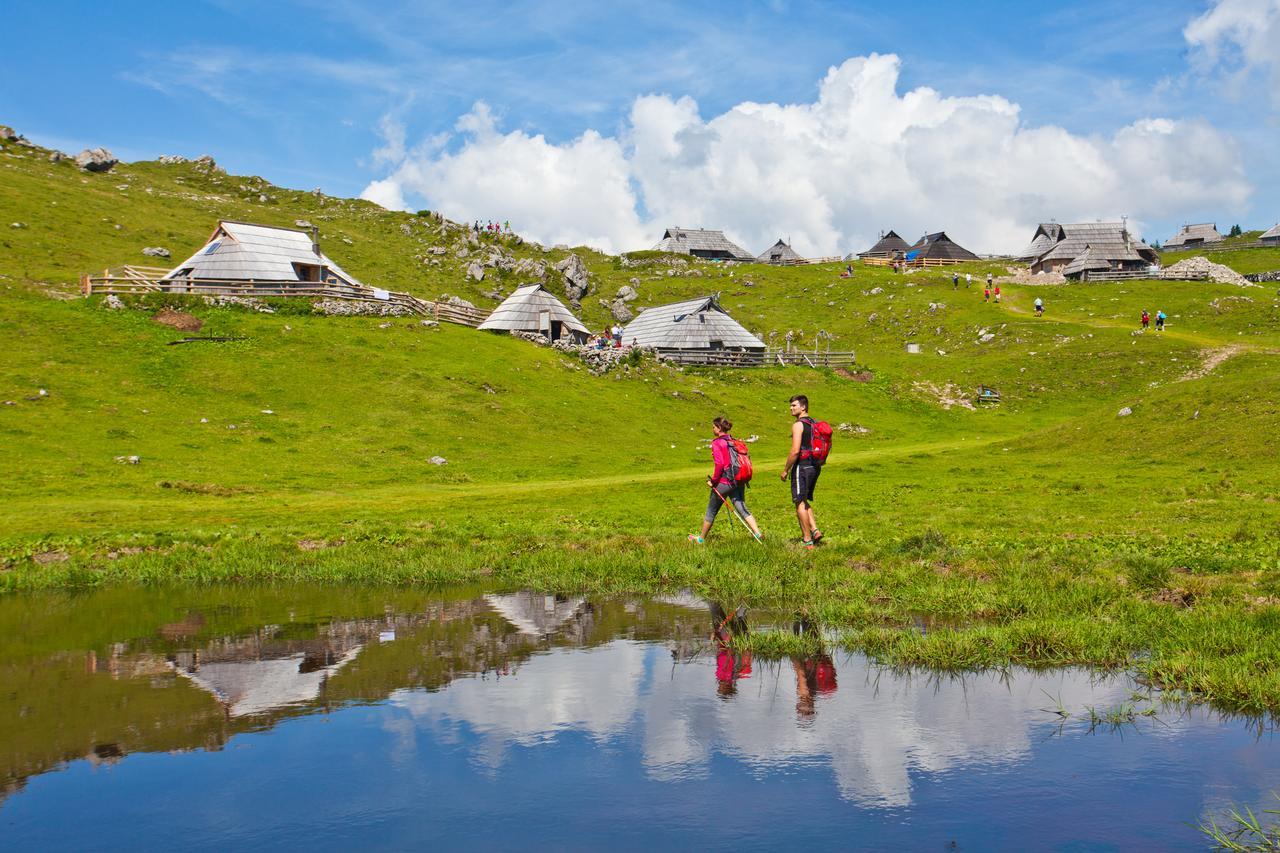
[[829, 175], [1241, 38]]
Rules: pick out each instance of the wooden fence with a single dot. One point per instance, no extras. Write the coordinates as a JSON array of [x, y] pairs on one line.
[[757, 358], [799, 262], [917, 263], [131, 281], [1130, 275], [1219, 247]]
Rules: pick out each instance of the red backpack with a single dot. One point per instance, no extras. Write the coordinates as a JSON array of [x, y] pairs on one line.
[[740, 470], [819, 441]]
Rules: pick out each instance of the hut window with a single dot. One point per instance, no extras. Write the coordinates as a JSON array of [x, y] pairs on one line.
[[702, 318], [213, 247], [307, 272]]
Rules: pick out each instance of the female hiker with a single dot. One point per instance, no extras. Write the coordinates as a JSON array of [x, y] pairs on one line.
[[721, 482]]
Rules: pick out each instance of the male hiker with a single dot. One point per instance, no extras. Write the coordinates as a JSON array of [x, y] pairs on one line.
[[803, 466]]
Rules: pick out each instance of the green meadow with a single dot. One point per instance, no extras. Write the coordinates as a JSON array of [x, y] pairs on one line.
[[1046, 530]]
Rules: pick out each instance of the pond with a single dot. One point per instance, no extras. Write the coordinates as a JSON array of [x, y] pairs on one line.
[[277, 717]]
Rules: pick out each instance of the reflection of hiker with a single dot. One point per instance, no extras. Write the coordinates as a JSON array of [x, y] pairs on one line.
[[728, 482], [1146, 319], [1039, 307], [810, 443], [1160, 321], [731, 664], [815, 673]]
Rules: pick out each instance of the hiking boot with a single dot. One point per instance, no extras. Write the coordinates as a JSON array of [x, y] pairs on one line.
[[696, 539], [818, 537], [807, 544]]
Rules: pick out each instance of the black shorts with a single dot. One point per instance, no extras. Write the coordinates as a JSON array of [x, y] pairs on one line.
[[803, 478]]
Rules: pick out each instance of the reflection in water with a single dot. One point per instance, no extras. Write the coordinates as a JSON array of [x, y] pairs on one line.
[[513, 681]]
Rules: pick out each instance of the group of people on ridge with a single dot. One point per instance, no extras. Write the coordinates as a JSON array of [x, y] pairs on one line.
[[810, 444]]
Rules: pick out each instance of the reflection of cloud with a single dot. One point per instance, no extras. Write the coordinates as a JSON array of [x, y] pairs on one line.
[[874, 731]]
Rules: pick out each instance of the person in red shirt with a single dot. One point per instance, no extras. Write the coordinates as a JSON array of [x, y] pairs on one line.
[[723, 488]]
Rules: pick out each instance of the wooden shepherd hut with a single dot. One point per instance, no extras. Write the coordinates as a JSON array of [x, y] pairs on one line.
[[532, 309], [890, 245], [938, 248], [1088, 261], [1192, 236], [702, 243], [263, 255], [1055, 248], [695, 325], [779, 253], [1272, 237]]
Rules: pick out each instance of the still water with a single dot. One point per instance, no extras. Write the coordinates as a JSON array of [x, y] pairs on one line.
[[267, 718]]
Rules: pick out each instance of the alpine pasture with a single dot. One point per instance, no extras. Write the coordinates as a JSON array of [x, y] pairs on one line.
[[1049, 529]]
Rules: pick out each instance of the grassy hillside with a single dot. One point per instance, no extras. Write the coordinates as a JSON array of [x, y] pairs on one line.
[[302, 450]]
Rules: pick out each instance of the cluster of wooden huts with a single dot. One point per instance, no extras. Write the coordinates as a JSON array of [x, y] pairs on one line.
[[936, 249]]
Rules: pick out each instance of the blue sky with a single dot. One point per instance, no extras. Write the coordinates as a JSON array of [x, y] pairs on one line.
[[308, 94]]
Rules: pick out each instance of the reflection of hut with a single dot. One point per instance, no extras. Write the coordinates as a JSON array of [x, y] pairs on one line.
[[1192, 236], [698, 324], [1056, 247], [938, 248], [532, 309], [702, 243], [889, 245], [779, 253], [255, 686], [535, 614], [1272, 237], [260, 254]]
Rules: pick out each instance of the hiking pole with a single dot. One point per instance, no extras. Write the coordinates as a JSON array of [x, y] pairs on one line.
[[735, 514]]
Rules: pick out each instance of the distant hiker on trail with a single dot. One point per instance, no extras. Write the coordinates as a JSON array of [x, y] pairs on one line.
[[955, 280], [1039, 307], [1160, 320], [810, 444], [968, 280], [1146, 319], [986, 294], [617, 335], [506, 225], [988, 279], [728, 480], [996, 293]]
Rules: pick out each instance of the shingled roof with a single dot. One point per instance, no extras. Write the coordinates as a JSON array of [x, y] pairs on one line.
[[522, 311], [1109, 240], [778, 253], [889, 243], [703, 243], [1273, 234], [1047, 234], [1089, 260], [1205, 232], [243, 251], [692, 324], [939, 246]]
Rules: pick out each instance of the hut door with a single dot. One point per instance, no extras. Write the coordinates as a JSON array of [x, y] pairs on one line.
[[557, 329]]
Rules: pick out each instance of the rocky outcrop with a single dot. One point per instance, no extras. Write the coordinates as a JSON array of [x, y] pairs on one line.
[[352, 308], [577, 281], [156, 252], [96, 160]]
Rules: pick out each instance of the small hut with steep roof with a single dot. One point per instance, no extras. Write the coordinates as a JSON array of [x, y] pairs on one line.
[[1192, 236], [1272, 237], [696, 324], [532, 309], [1054, 247], [702, 243], [1088, 261], [888, 246], [938, 247], [779, 253], [261, 254]]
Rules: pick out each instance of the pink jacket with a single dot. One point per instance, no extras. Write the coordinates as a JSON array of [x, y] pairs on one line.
[[720, 456]]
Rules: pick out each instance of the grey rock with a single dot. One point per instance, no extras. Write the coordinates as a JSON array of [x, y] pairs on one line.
[[96, 160], [156, 252], [457, 302], [56, 156], [262, 199], [302, 223], [205, 162], [620, 311], [1124, 413], [171, 159], [430, 324], [405, 229], [577, 281], [17, 225], [8, 134], [128, 460], [627, 293], [987, 338], [875, 291], [113, 302], [438, 460], [475, 272]]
